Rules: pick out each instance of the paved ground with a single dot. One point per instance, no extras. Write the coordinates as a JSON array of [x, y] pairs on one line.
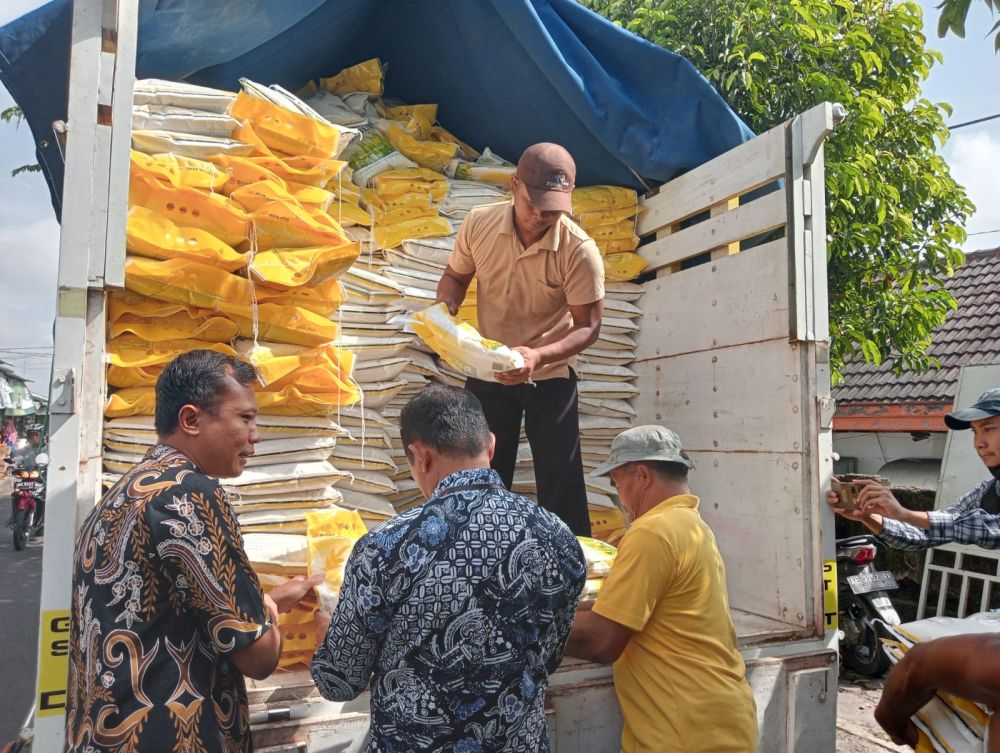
[[20, 581], [857, 730]]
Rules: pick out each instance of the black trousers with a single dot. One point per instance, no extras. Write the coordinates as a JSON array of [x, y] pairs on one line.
[[549, 409]]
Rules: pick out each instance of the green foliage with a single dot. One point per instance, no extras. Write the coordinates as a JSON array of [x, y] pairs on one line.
[[15, 115], [953, 14], [895, 216]]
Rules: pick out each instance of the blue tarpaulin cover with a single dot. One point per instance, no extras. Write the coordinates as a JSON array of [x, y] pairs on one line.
[[506, 73]]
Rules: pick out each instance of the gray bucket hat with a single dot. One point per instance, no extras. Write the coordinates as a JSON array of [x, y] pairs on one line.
[[640, 443], [986, 406]]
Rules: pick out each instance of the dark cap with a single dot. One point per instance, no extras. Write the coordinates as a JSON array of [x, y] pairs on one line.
[[549, 173], [986, 406]]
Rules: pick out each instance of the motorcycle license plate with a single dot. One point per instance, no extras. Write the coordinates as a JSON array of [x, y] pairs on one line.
[[864, 583]]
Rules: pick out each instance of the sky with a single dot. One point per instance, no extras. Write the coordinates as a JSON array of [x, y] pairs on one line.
[[29, 233]]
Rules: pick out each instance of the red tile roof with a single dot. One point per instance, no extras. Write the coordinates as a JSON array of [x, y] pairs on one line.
[[971, 335]]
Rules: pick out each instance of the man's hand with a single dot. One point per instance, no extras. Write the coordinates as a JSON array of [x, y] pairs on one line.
[[875, 499], [532, 360], [872, 522], [291, 592]]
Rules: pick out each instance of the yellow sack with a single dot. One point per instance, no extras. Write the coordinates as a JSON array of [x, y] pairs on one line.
[[120, 376], [178, 171], [331, 536], [284, 324], [590, 220], [285, 268], [313, 198], [290, 132], [245, 132], [430, 154], [396, 214], [420, 119], [129, 351], [462, 347], [282, 224], [291, 402], [321, 378], [212, 212], [603, 198], [184, 324], [390, 236], [323, 298], [623, 267], [308, 170], [187, 283], [599, 556], [607, 524], [150, 234], [465, 152], [410, 180], [276, 369], [347, 214], [128, 303], [363, 77], [255, 195], [496, 175], [243, 171], [133, 401], [344, 188], [623, 230], [608, 246]]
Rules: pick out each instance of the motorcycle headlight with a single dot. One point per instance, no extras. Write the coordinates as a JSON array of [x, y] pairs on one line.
[[33, 474], [22, 474]]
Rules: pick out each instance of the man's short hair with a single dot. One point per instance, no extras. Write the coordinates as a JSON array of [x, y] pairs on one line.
[[197, 378], [667, 470], [449, 419]]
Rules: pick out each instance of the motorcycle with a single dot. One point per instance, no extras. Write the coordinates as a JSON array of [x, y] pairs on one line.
[[863, 602], [28, 500]]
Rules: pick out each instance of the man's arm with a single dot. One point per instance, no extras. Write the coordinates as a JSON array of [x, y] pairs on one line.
[[586, 328], [967, 666], [453, 288], [597, 638], [343, 664]]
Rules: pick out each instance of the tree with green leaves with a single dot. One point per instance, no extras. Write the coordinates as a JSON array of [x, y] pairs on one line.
[[15, 115], [895, 216], [953, 15]]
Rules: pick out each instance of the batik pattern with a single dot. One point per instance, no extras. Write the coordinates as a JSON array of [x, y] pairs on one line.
[[455, 613], [162, 592]]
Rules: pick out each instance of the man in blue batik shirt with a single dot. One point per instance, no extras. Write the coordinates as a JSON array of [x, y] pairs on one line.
[[974, 519], [457, 610]]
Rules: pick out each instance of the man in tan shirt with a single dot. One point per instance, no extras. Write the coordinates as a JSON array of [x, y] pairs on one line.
[[541, 292]]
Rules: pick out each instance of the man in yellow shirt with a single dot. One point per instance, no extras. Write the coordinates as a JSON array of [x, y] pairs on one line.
[[662, 616]]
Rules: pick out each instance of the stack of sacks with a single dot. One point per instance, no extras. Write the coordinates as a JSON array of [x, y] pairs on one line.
[[600, 556], [608, 215], [947, 724], [232, 246]]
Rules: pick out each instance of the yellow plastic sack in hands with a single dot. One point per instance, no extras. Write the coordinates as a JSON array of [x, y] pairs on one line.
[[291, 402], [623, 267], [283, 224], [363, 77], [393, 183], [330, 537], [178, 171], [290, 132], [212, 212], [461, 346], [322, 298], [603, 198], [153, 235], [432, 155], [285, 268], [187, 323], [390, 236]]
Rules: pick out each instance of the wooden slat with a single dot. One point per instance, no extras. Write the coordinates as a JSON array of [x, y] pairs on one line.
[[751, 165], [733, 301], [759, 216]]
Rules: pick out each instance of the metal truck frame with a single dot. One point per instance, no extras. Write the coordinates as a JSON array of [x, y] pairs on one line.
[[732, 354]]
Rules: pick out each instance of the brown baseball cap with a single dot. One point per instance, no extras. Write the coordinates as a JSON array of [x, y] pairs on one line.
[[548, 172]]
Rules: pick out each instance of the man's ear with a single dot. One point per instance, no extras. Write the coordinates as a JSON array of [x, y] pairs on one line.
[[492, 447], [189, 420], [421, 456], [644, 474]]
